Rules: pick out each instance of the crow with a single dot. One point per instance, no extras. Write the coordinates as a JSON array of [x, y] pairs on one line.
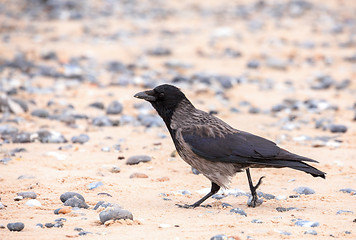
[[216, 149]]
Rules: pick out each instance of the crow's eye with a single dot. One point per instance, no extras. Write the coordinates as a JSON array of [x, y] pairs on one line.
[[161, 95]]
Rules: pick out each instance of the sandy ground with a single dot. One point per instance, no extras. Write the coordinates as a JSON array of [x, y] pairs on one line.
[[86, 163]]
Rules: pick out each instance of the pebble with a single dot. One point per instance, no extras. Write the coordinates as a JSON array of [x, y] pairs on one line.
[[41, 113], [58, 224], [137, 159], [62, 210], [17, 226], [2, 206], [253, 64], [138, 175], [344, 212], [305, 223], [33, 203], [219, 237], [114, 213], [32, 195], [259, 201], [39, 225], [149, 120], [281, 197], [49, 225], [67, 195], [275, 63], [159, 51], [337, 128], [102, 121], [82, 138], [46, 136], [239, 211], [104, 205], [282, 209], [23, 137], [76, 202], [304, 190], [94, 185], [105, 149], [194, 171], [165, 225], [283, 232], [256, 221], [114, 108], [348, 190], [98, 105], [84, 233]]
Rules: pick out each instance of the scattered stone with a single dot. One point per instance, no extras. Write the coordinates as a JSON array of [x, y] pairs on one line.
[[67, 195], [138, 175], [219, 237], [105, 149], [17, 226], [82, 138], [58, 224], [249, 201], [18, 198], [256, 221], [283, 232], [137, 159], [322, 82], [305, 223], [46, 136], [337, 128], [33, 203], [114, 108], [97, 105], [64, 210], [282, 209], [194, 171], [39, 225], [23, 137], [239, 211], [114, 213], [304, 190], [41, 113], [253, 64], [94, 185], [49, 225], [159, 51], [84, 233], [165, 225], [5, 160], [76, 202], [281, 197], [102, 121], [348, 190], [32, 195], [78, 229], [344, 212], [275, 63]]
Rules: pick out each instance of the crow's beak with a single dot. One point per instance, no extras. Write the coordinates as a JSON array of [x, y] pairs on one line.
[[146, 95]]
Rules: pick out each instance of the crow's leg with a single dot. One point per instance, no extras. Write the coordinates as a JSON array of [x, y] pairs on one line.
[[214, 189], [253, 201]]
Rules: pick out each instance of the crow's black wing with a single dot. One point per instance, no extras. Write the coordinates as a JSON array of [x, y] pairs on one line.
[[239, 147]]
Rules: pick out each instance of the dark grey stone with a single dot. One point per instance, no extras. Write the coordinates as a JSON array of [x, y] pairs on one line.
[[49, 225], [304, 190], [344, 211], [67, 195], [348, 190], [114, 108], [17, 226], [102, 121], [283, 209], [98, 105], [41, 113], [114, 213], [337, 128], [23, 137], [46, 136], [138, 159], [32, 195], [76, 202], [82, 138], [219, 237]]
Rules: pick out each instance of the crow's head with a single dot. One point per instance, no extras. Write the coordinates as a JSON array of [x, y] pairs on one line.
[[164, 98]]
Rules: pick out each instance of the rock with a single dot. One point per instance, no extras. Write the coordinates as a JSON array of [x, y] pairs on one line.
[[49, 225], [281, 197], [304, 190], [149, 120], [104, 204], [98, 105], [17, 226], [33, 203], [348, 190], [219, 237], [39, 225], [84, 233], [239, 211], [102, 121], [159, 51], [305, 223], [41, 113], [64, 210], [311, 232], [5, 160], [253, 64], [344, 212], [32, 195], [23, 137], [337, 128], [75, 202], [105, 149], [282, 209], [67, 195], [256, 221], [82, 138], [275, 63], [138, 175], [58, 224], [283, 232], [137, 159], [94, 185], [249, 201], [46, 136], [194, 171], [114, 108], [322, 82], [114, 213], [165, 225]]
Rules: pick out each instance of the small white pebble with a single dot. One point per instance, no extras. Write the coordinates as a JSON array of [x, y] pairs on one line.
[[164, 225], [33, 203], [281, 197]]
